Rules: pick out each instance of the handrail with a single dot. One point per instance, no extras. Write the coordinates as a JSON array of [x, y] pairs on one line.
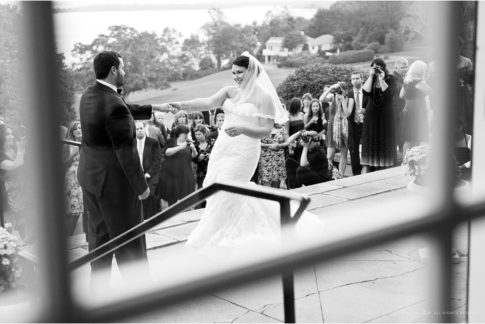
[[189, 201], [282, 197]]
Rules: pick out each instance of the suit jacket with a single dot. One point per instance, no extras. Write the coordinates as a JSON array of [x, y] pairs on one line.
[[151, 162], [108, 158], [352, 114]]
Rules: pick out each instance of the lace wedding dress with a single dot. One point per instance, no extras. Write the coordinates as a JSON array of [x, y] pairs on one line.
[[231, 220]]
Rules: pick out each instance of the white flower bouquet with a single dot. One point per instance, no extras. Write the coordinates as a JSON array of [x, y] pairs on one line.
[[10, 270], [417, 160]]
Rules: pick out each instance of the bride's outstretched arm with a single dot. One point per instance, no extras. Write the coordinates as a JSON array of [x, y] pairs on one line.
[[201, 104]]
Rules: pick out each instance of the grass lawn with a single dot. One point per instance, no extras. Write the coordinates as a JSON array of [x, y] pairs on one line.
[[203, 87]]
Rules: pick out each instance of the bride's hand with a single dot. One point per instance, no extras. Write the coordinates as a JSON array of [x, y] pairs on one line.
[[234, 131], [175, 105]]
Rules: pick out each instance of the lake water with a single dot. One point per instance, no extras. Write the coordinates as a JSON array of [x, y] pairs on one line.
[[84, 27]]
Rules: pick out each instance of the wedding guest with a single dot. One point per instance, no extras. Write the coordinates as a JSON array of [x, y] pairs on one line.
[[158, 120], [378, 132], [12, 154], [415, 130], [295, 116], [356, 121], [306, 98], [177, 176], [203, 147], [153, 131], [400, 69], [338, 131], [315, 118], [73, 191], [197, 119], [149, 153], [219, 121], [312, 168], [271, 168], [181, 118]]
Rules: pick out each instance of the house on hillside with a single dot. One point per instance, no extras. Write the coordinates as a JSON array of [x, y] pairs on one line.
[[274, 47]]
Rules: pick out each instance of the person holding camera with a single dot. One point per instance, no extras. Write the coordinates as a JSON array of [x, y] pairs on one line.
[[178, 178], [338, 129], [313, 165], [378, 133]]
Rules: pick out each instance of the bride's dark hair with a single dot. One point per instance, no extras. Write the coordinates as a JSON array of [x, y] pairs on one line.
[[241, 61]]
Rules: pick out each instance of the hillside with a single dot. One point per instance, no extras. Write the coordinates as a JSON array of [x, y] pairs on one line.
[[202, 87]]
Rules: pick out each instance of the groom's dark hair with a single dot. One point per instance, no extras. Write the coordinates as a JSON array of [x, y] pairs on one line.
[[103, 63], [241, 61]]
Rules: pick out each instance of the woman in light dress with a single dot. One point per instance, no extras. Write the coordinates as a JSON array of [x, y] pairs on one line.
[[251, 108]]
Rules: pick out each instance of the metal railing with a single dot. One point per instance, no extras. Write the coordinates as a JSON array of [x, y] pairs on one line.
[[282, 197]]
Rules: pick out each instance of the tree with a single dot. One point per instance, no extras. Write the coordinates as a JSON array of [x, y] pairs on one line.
[[193, 46], [220, 36], [293, 39], [11, 99], [364, 22], [206, 64], [312, 78], [66, 91], [146, 56], [12, 104]]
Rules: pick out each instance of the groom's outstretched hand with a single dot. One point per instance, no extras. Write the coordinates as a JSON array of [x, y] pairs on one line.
[[165, 107]]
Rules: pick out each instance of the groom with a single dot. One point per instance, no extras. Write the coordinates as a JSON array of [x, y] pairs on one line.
[[110, 173]]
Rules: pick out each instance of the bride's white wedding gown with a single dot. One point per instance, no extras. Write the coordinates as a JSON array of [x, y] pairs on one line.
[[231, 220]]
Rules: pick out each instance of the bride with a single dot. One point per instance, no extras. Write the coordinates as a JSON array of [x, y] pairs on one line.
[[251, 108]]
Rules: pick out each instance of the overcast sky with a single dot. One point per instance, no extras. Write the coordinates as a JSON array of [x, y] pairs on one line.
[[82, 21]]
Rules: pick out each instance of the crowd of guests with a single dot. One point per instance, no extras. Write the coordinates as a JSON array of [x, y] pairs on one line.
[[372, 117]]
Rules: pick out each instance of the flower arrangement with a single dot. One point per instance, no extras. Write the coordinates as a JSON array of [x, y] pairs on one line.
[[10, 270], [417, 160]]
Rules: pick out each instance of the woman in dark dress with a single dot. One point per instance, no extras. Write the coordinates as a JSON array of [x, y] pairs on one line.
[[203, 146], [378, 133], [178, 178], [295, 116], [415, 128]]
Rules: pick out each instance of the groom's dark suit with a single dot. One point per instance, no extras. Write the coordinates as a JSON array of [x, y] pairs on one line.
[[109, 170]]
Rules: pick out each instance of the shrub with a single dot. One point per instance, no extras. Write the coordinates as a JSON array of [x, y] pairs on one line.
[[301, 59], [352, 57], [206, 63], [374, 46], [312, 78], [395, 41]]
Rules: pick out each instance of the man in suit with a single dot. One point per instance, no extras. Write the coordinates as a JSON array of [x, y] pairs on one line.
[[219, 121], [400, 70], [150, 156], [110, 173], [355, 121]]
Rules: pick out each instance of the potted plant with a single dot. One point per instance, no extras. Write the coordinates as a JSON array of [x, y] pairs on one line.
[[416, 161], [10, 270]]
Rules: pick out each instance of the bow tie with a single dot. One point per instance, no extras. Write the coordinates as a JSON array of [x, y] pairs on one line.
[[119, 90]]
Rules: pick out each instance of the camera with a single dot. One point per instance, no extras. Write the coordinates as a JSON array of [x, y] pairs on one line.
[[377, 69], [305, 137]]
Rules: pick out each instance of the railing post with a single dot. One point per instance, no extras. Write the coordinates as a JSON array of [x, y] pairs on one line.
[[288, 284]]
